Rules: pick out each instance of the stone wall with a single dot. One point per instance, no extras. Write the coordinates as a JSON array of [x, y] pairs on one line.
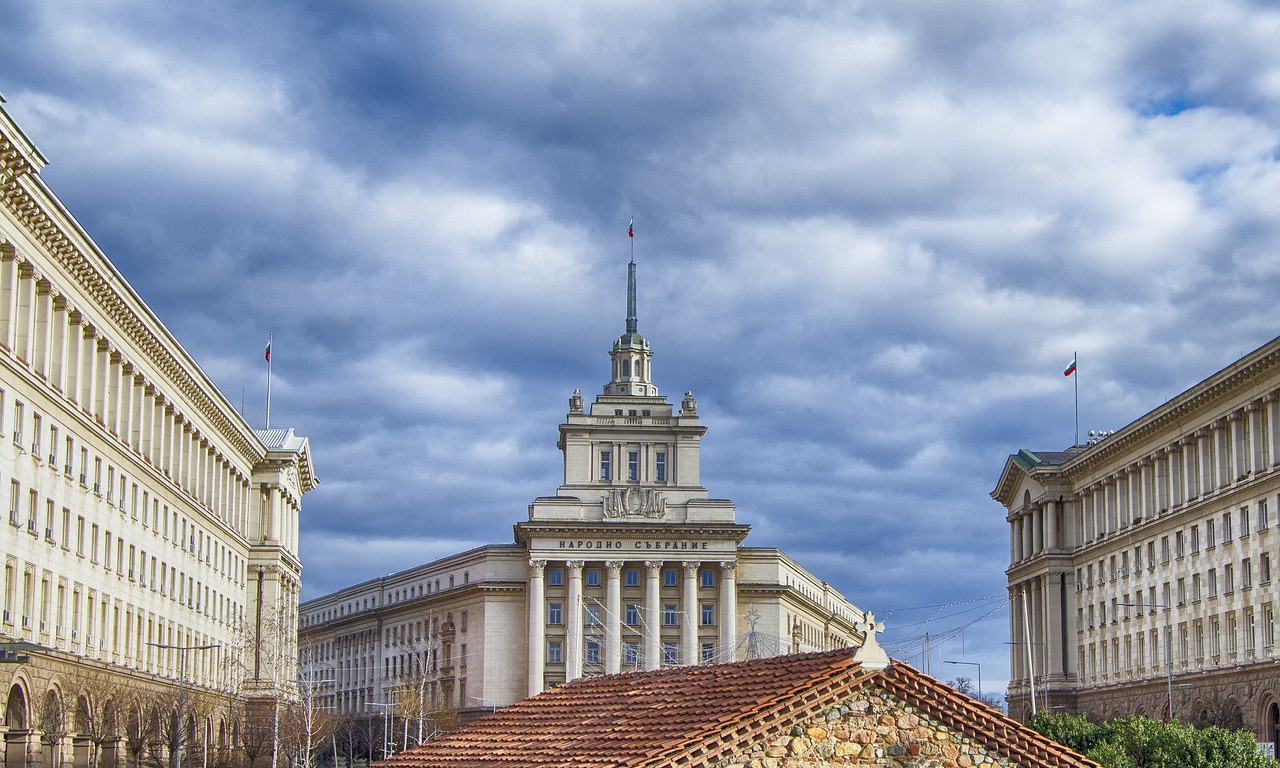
[[872, 729]]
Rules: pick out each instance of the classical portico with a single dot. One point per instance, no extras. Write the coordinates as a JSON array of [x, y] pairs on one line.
[[631, 565]]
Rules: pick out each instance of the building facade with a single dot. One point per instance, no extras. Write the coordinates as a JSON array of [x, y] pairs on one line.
[[143, 510], [629, 566], [1141, 565]]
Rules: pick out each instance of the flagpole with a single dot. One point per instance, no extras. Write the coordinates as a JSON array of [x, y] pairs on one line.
[[1076, 375], [268, 381]]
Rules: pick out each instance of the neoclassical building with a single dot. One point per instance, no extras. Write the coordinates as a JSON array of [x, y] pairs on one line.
[[629, 566], [1141, 564], [143, 510]]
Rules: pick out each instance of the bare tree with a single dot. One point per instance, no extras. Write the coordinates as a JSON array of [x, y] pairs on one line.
[[50, 717], [140, 718], [308, 720], [96, 710]]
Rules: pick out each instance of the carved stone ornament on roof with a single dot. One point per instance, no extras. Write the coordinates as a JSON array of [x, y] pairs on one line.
[[634, 502]]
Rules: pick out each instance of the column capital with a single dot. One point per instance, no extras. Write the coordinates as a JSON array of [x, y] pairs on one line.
[[652, 567], [614, 567], [537, 564], [689, 567], [574, 565], [728, 566], [1233, 416]]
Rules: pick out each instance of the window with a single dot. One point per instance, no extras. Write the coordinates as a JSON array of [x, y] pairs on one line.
[[708, 615], [1195, 587], [668, 578], [669, 657], [1246, 573], [1244, 521], [593, 615], [1137, 558], [631, 654], [606, 471], [660, 467], [593, 577], [593, 652], [1195, 539], [1226, 527], [633, 614], [1164, 549], [1179, 544], [669, 615], [1228, 578], [555, 577], [1263, 521], [555, 613], [1213, 582], [633, 466], [555, 652], [708, 653], [632, 577], [708, 577], [1264, 568], [1151, 554]]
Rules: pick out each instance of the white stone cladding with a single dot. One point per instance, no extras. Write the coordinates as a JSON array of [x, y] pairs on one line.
[[142, 509]]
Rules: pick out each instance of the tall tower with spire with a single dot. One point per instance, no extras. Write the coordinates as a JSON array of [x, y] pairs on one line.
[[630, 455]]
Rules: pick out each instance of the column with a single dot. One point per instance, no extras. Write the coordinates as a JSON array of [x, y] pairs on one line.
[[537, 626], [1190, 448], [1053, 630], [573, 622], [1027, 549], [1233, 455], [652, 649], [1253, 423], [1144, 495], [1051, 525], [613, 617], [689, 603], [1015, 541], [1037, 529], [728, 612], [1270, 419], [1159, 481]]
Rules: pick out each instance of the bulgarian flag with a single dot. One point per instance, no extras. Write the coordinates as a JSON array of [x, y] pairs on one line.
[[631, 227], [266, 355], [1070, 368]]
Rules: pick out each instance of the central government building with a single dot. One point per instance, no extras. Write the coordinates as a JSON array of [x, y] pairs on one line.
[[1142, 565], [629, 566]]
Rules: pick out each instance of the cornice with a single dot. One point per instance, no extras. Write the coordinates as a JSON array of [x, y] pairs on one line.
[[1175, 411], [104, 288]]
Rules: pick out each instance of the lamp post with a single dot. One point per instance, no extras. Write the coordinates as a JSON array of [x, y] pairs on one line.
[[1168, 643], [386, 726], [182, 674], [973, 664], [1032, 671]]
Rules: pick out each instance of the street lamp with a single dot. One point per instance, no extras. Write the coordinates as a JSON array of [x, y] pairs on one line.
[[386, 726], [973, 664], [182, 673], [1168, 643]]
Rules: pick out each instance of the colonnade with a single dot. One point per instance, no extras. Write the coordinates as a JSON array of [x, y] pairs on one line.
[[649, 627]]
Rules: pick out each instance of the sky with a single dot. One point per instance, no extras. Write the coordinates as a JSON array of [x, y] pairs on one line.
[[870, 238]]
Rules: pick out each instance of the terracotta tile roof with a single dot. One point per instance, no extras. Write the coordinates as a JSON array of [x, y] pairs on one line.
[[694, 716]]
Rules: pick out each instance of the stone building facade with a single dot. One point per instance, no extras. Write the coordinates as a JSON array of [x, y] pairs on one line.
[[1142, 565], [144, 513], [629, 566]]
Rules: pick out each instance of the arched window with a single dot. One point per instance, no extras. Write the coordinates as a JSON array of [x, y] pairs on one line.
[[1273, 726], [626, 368]]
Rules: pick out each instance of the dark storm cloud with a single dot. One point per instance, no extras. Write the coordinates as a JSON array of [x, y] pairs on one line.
[[870, 237]]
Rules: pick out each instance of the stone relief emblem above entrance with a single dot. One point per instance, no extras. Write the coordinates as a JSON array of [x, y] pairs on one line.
[[634, 502]]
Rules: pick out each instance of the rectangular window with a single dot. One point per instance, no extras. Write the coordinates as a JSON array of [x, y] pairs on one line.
[[669, 615], [1246, 573], [633, 466], [1137, 558], [1264, 568], [555, 652], [708, 577], [1195, 539], [660, 467], [1164, 549], [1226, 527], [708, 653], [555, 613], [1244, 521], [1228, 578], [593, 652], [1151, 554], [593, 577], [593, 615], [632, 577], [606, 466], [1195, 587], [669, 657], [633, 614], [708, 617], [631, 654], [669, 578], [1179, 544], [555, 577], [1213, 582], [1264, 520]]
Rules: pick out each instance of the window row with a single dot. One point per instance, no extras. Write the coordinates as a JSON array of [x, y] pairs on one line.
[[632, 614], [631, 577]]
